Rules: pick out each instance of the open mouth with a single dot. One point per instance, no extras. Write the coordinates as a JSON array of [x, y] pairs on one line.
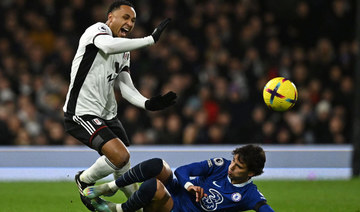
[[124, 31]]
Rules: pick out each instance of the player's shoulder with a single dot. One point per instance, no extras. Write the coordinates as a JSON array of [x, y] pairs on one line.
[[98, 28], [254, 192]]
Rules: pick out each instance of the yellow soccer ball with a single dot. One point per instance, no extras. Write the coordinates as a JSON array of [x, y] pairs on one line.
[[280, 94]]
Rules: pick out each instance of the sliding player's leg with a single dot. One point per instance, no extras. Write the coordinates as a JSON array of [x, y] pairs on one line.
[[162, 201], [129, 189]]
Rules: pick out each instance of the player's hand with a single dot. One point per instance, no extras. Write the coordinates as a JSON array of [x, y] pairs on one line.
[[198, 191], [159, 29], [161, 102]]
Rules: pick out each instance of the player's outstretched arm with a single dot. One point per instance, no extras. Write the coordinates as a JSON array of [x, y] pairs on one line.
[[113, 45]]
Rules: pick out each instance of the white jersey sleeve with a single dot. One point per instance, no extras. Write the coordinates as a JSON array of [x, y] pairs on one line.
[[129, 92], [113, 45]]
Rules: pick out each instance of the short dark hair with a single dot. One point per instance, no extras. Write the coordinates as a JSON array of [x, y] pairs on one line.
[[253, 156], [116, 5]]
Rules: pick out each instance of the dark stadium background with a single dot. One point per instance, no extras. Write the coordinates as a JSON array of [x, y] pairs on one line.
[[216, 55]]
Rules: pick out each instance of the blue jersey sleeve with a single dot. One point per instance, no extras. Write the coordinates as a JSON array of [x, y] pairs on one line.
[[265, 208], [203, 168]]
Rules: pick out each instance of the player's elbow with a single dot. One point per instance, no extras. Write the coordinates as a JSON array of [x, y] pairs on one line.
[[107, 49], [177, 172], [265, 208]]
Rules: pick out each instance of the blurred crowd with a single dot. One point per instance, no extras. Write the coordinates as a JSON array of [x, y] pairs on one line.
[[216, 55]]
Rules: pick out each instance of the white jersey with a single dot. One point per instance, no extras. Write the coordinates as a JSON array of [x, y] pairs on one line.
[[94, 72]]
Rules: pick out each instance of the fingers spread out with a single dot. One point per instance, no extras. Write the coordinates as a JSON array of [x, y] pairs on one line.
[[199, 193]]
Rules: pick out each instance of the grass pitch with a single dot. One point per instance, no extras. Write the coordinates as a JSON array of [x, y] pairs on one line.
[[289, 196]]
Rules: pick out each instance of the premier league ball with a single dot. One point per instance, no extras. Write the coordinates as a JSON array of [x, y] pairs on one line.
[[280, 94]]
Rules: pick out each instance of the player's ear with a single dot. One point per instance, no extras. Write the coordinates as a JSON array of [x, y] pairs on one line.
[[110, 16], [251, 174]]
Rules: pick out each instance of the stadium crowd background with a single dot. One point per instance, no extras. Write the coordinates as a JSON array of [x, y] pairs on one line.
[[216, 55]]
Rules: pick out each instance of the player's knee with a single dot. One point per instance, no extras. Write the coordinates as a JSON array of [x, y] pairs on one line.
[[123, 160], [166, 174], [116, 152], [153, 166], [120, 160]]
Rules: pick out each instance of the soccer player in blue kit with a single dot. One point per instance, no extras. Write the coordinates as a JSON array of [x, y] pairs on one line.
[[216, 184]]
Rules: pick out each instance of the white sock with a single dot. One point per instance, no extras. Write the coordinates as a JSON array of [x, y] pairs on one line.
[[122, 170], [100, 169], [119, 208], [129, 189], [112, 185]]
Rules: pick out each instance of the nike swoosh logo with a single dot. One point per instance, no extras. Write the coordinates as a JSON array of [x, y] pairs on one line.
[[214, 182]]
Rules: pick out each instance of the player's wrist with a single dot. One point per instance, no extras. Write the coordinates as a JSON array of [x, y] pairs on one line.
[[150, 39], [187, 185]]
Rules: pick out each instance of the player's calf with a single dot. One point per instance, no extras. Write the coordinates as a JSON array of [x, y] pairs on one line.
[[141, 172], [162, 201], [141, 197], [138, 200]]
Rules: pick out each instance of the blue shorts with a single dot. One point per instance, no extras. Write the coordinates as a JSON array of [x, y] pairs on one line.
[[181, 198]]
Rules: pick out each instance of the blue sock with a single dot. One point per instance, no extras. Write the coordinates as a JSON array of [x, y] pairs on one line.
[[141, 197], [141, 172]]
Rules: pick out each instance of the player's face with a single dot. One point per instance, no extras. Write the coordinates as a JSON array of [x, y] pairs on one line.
[[238, 171], [121, 21]]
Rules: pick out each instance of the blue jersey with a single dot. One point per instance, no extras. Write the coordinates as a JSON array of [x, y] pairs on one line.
[[222, 195]]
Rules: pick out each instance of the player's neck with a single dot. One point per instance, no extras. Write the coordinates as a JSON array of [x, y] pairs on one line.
[[239, 181]]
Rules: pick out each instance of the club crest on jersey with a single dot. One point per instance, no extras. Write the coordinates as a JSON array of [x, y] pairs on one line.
[[96, 121], [236, 197], [126, 56], [218, 161]]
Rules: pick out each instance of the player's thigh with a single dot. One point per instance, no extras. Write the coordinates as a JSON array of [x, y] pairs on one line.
[[90, 130], [116, 152], [166, 174], [115, 149], [116, 127], [162, 201]]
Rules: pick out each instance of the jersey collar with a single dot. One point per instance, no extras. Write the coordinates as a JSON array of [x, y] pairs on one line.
[[241, 184]]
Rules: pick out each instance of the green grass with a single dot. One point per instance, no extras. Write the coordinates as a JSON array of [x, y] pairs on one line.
[[43, 197], [312, 196], [289, 196]]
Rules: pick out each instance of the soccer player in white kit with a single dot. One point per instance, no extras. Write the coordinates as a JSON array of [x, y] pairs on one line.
[[103, 59]]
